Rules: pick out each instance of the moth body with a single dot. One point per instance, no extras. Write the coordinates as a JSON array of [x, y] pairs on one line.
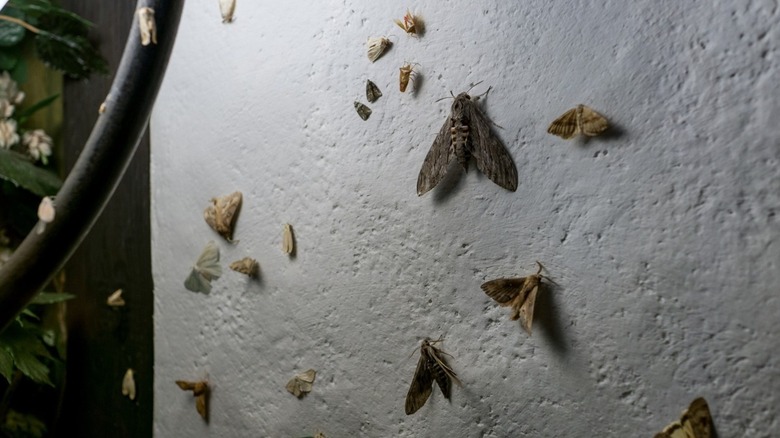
[[147, 26]]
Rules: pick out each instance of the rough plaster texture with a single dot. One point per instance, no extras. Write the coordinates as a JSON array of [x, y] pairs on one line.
[[663, 237]]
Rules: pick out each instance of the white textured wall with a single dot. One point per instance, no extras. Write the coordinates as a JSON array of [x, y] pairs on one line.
[[664, 239]]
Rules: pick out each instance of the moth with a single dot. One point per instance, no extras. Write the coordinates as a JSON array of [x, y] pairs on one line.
[[247, 265], [372, 92], [581, 119], [377, 47], [319, 435], [695, 422], [207, 268], [411, 25], [519, 294], [128, 384], [46, 213], [363, 111], [405, 75], [466, 133], [288, 240], [226, 8], [147, 26], [115, 299], [200, 390], [431, 367], [221, 215], [102, 108], [301, 384]]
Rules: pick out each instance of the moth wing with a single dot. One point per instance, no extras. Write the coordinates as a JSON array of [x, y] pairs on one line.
[[421, 387], [503, 290], [372, 92], [229, 205], [376, 47], [363, 111], [443, 380], [400, 24], [698, 418], [128, 385], [210, 215], [527, 309], [489, 152], [437, 161], [307, 376], [288, 239], [185, 385], [564, 126], [201, 406], [592, 122], [208, 262], [196, 282]]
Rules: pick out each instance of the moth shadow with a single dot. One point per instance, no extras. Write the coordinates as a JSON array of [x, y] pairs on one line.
[[417, 84], [449, 186], [548, 313], [615, 132]]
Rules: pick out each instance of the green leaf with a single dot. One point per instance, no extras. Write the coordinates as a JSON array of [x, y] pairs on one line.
[[9, 57], [11, 34], [27, 350], [19, 72], [51, 298], [16, 168], [24, 425], [71, 54], [6, 364], [21, 116]]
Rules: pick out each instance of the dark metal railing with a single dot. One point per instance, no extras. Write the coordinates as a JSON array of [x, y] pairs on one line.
[[100, 166]]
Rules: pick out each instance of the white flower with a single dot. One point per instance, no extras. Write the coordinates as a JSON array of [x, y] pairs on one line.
[[8, 135], [9, 90], [38, 144], [6, 108]]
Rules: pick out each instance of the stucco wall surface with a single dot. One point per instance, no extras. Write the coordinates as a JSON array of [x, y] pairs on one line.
[[662, 236]]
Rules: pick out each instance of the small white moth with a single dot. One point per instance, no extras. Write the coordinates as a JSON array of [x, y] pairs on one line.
[[147, 26], [115, 299], [288, 240], [207, 268], [128, 384], [376, 47], [227, 7], [46, 212]]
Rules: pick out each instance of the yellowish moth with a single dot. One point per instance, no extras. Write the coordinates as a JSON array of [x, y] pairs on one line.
[[222, 213], [147, 26], [288, 240], [128, 384], [227, 8], [695, 422], [200, 390], [301, 384], [115, 299], [376, 47], [581, 119], [247, 266]]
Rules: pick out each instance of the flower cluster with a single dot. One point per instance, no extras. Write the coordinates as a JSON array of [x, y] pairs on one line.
[[36, 142]]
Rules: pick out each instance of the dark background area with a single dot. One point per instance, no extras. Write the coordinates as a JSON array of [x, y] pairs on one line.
[[104, 342]]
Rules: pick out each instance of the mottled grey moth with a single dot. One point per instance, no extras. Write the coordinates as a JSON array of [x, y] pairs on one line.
[[431, 366], [466, 133], [363, 111], [372, 91]]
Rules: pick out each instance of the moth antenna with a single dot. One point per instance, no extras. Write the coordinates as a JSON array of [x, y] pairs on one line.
[[539, 271], [473, 85]]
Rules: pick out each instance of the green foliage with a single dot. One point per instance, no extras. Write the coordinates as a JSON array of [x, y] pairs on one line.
[[18, 425], [20, 171], [60, 37], [23, 115]]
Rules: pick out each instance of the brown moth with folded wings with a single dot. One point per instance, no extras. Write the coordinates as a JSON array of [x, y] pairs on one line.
[[519, 294], [431, 367], [200, 390]]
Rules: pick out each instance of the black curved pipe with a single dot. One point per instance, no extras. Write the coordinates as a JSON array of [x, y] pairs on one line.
[[100, 166]]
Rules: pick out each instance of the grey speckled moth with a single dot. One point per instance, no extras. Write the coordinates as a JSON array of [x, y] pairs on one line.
[[581, 119], [128, 384], [466, 133], [519, 294], [288, 240], [221, 215], [372, 92], [363, 111], [207, 268], [147, 26], [247, 266], [200, 390], [695, 422], [301, 384], [227, 8], [431, 367]]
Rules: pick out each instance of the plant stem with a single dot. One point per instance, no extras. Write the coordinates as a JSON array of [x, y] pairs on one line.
[[22, 23], [5, 404]]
